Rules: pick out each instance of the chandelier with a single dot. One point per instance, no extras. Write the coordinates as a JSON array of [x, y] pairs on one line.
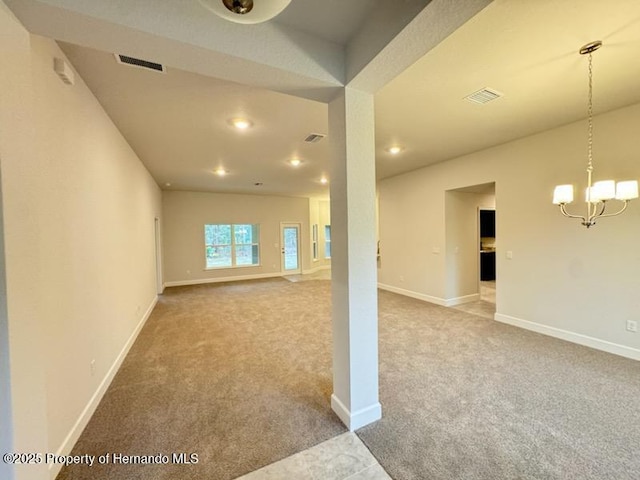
[[599, 193]]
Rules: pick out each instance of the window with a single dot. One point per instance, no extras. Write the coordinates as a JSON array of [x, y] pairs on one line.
[[314, 239], [327, 241], [229, 246]]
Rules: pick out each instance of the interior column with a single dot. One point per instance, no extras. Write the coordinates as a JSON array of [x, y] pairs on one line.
[[353, 259]]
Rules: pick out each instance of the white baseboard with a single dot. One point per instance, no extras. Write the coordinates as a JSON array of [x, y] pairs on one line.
[[72, 437], [452, 302], [316, 269], [573, 337], [358, 419], [412, 294], [200, 281], [444, 302]]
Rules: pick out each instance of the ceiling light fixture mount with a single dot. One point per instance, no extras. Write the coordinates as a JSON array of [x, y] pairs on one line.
[[246, 11], [599, 193], [240, 7]]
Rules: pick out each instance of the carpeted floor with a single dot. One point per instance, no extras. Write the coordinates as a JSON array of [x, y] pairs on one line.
[[238, 373], [468, 398], [241, 375]]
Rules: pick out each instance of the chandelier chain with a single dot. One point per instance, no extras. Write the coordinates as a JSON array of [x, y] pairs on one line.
[[590, 117]]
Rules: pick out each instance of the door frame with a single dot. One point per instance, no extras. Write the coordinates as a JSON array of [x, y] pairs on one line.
[[158, 253], [298, 226]]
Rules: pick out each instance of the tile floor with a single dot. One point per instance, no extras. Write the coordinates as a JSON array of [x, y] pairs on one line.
[[342, 458], [486, 306], [324, 274]]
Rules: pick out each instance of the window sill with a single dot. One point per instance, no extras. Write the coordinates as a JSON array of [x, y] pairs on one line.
[[232, 267]]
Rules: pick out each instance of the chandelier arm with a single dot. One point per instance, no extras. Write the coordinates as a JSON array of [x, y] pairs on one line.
[[564, 212], [624, 207], [595, 213]]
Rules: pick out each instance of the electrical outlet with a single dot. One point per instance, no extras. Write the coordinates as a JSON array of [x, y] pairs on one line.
[[632, 326], [92, 367]]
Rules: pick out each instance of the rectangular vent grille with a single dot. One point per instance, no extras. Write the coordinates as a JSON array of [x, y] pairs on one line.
[[314, 137], [483, 96], [137, 62]]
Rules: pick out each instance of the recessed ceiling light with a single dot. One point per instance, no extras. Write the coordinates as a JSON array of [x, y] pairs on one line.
[[221, 172], [241, 123], [324, 180], [396, 149], [295, 162], [167, 184]]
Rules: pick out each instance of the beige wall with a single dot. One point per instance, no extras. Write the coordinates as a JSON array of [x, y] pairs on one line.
[[320, 215], [462, 244], [324, 218], [186, 213], [563, 279], [79, 212]]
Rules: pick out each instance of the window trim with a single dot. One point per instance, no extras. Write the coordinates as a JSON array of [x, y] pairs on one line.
[[327, 242], [233, 246], [314, 242]]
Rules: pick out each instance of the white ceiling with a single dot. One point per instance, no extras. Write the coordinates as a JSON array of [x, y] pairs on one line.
[[332, 20], [527, 50], [178, 122]]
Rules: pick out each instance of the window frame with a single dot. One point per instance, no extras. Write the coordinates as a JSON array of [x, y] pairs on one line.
[[314, 242], [327, 241], [233, 245]]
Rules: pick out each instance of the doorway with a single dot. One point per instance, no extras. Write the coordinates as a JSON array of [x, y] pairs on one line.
[[470, 248], [487, 260], [290, 242]]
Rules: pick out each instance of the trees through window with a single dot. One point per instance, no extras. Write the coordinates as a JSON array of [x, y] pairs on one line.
[[232, 245]]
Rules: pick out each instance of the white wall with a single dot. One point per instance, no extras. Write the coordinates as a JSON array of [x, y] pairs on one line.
[[79, 212], [563, 279], [25, 382], [186, 213]]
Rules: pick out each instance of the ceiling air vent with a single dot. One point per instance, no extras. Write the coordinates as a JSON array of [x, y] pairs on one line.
[[137, 62], [483, 96], [314, 137]]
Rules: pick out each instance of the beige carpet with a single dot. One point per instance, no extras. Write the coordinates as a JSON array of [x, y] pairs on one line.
[[241, 375], [237, 373], [465, 397]]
